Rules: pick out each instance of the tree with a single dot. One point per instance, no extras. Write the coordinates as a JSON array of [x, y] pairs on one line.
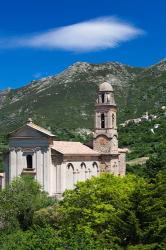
[[42, 238], [156, 162], [19, 201], [153, 210], [105, 212], [101, 207]]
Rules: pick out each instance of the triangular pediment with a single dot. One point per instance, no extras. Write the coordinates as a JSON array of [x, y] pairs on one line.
[[26, 132]]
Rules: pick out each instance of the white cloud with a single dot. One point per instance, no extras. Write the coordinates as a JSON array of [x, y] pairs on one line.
[[96, 34]]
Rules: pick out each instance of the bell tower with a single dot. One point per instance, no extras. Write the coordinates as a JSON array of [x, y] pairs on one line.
[[105, 139]]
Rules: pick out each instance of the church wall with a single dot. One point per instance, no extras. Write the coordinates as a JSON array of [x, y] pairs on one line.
[[67, 171], [80, 171], [115, 166], [110, 163], [122, 164], [56, 173]]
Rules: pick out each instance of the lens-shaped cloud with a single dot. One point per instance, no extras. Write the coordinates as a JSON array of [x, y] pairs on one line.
[[92, 35]]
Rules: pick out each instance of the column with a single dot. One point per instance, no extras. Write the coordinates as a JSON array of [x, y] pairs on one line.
[[75, 177], [53, 176], [63, 177], [109, 119], [20, 163], [39, 166], [45, 171], [99, 120], [49, 170], [12, 164], [58, 179]]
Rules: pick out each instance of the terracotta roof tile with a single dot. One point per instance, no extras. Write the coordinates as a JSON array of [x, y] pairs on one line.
[[123, 150], [73, 148]]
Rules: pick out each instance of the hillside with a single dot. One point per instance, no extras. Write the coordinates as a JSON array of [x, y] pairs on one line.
[[67, 100]]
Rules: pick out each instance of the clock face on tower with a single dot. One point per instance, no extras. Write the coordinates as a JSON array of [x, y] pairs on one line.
[[102, 144], [102, 140]]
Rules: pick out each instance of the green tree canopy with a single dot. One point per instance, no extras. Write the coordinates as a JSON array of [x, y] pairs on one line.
[[19, 201]]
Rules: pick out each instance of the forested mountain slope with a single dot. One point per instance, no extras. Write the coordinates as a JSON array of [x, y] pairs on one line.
[[67, 100]]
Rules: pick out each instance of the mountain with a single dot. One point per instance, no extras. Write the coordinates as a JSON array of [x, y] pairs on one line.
[[67, 100]]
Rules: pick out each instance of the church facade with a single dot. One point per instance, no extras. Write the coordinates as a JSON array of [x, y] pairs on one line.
[[59, 165]]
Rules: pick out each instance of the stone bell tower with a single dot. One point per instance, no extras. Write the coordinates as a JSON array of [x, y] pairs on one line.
[[105, 138]]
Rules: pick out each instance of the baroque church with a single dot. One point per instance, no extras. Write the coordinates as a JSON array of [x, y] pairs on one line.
[[59, 165]]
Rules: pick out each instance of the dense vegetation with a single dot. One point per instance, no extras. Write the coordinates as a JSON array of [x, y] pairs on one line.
[[3, 149], [146, 139], [106, 212], [143, 139], [73, 94]]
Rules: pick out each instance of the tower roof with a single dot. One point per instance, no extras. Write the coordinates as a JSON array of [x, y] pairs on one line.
[[105, 86]]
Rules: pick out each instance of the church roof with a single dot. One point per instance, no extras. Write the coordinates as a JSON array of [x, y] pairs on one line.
[[40, 129], [73, 148], [105, 86], [36, 127], [123, 150]]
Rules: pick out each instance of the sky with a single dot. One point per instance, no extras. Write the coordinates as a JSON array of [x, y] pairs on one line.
[[39, 38]]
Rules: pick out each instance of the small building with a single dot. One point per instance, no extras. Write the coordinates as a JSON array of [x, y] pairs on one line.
[[59, 165]]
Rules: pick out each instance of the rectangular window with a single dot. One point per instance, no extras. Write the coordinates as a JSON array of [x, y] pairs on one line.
[[102, 121], [102, 98], [29, 161]]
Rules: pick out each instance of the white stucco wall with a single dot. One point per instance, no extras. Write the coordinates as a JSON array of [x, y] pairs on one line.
[[66, 175]]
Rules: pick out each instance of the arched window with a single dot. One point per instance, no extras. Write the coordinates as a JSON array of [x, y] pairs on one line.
[[102, 121], [69, 176], [102, 98], [95, 169], [29, 161], [82, 171], [70, 166], [113, 120]]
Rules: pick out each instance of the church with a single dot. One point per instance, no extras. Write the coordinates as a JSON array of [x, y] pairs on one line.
[[59, 165]]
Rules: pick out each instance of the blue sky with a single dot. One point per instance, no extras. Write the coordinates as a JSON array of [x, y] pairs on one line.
[[40, 38]]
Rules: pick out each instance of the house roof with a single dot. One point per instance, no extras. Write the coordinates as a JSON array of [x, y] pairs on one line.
[[73, 148]]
